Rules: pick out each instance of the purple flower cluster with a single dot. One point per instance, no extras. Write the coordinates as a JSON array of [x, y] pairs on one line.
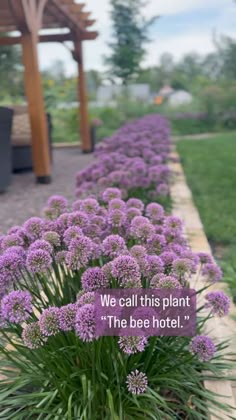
[[134, 157]]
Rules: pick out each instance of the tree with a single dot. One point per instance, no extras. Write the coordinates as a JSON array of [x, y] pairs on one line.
[[130, 33], [11, 72]]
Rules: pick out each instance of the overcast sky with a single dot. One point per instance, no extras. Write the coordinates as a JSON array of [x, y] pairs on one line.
[[184, 26]]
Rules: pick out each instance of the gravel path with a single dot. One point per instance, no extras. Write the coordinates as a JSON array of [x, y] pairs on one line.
[[25, 198]]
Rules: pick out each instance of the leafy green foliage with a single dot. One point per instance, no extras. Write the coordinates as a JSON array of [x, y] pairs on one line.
[[129, 36]]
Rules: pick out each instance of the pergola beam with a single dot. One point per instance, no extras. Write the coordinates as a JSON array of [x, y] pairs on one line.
[[14, 40]]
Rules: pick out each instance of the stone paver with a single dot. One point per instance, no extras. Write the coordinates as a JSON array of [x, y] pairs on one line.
[[25, 198], [218, 328]]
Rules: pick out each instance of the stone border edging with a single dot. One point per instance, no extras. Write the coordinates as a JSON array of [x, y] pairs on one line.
[[221, 328]]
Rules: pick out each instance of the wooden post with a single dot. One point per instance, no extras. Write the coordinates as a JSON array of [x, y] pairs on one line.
[[82, 95], [34, 93]]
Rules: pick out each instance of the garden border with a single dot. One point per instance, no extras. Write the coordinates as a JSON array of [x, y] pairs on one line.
[[221, 328]]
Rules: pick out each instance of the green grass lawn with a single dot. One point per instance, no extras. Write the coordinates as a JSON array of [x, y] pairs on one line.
[[210, 168]]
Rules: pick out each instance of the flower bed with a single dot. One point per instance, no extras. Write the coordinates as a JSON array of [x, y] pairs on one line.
[[51, 268]]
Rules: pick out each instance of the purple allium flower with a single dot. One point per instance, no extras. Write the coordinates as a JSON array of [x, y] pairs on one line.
[[218, 302], [111, 193], [135, 203], [34, 227], [137, 382], [58, 202], [62, 223], [205, 258], [132, 345], [85, 323], [11, 264], [162, 189], [165, 282], [168, 257], [132, 212], [66, 316], [141, 228], [138, 252], [89, 206], [212, 272], [156, 243], [76, 206], [117, 204], [113, 246], [85, 298], [38, 260], [173, 223], [203, 347], [50, 213], [181, 266], [80, 252], [78, 218], [116, 218], [52, 237], [17, 250], [154, 265], [155, 212], [60, 257], [126, 270], [8, 241], [93, 279], [17, 306], [49, 321], [72, 233], [32, 336], [41, 244]]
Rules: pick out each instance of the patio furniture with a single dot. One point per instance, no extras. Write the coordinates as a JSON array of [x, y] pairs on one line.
[[6, 115], [21, 139]]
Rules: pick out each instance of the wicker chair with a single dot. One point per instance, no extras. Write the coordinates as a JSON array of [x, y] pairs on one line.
[[21, 139], [6, 115]]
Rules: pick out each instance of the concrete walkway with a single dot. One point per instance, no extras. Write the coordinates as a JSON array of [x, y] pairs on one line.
[[219, 328], [25, 199]]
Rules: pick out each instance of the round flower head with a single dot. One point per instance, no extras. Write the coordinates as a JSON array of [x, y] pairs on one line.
[[32, 336], [80, 251], [50, 213], [111, 193], [11, 264], [16, 306], [34, 228], [141, 228], [165, 282], [135, 203], [58, 202], [85, 298], [156, 243], [52, 237], [117, 204], [132, 212], [168, 257], [38, 261], [126, 270], [154, 265], [132, 345], [138, 252], [155, 212], [49, 321], [72, 233], [62, 223], [205, 258], [93, 279], [76, 206], [60, 257], [173, 223], [85, 322], [162, 189], [41, 244], [218, 302], [14, 239], [137, 382], [203, 347], [116, 218], [212, 272], [66, 316], [78, 218], [113, 246], [181, 267], [89, 206]]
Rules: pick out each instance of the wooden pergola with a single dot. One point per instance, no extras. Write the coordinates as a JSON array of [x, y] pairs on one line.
[[29, 17]]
